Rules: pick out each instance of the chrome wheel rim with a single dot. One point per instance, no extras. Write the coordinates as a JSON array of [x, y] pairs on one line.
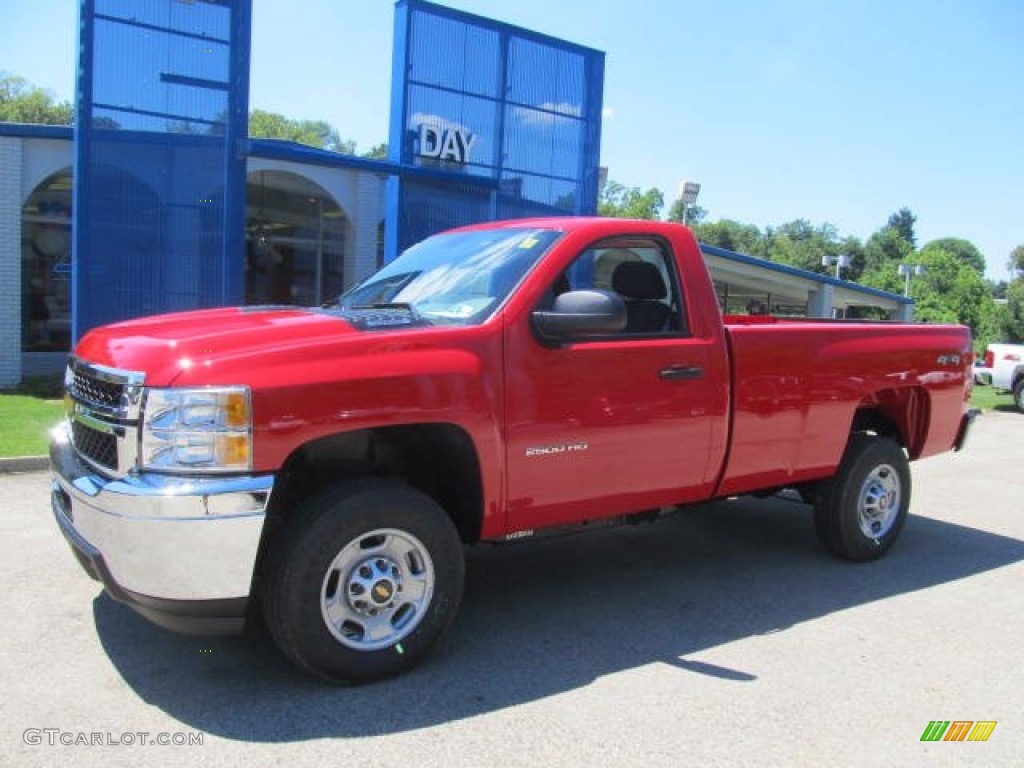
[[879, 502], [377, 590]]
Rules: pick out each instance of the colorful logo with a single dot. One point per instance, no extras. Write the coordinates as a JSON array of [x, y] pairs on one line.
[[958, 730]]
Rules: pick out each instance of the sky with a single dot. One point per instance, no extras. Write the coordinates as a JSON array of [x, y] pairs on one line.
[[830, 111]]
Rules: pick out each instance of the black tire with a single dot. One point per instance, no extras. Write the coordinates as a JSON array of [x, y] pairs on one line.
[[807, 493], [1018, 394], [363, 582], [860, 512]]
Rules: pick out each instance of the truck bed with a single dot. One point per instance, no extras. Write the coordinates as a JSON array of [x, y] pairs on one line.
[[810, 377]]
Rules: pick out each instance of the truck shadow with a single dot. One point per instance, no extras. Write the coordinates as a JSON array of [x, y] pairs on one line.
[[1004, 408], [541, 618]]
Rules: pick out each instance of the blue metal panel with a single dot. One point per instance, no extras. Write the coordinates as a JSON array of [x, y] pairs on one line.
[[82, 187], [444, 111], [544, 142], [430, 208], [300, 153], [234, 165], [450, 53], [31, 131], [589, 171], [160, 186], [475, 97], [396, 132], [546, 77]]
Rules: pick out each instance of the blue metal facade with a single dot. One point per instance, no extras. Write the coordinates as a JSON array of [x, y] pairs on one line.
[[159, 201], [488, 121], [484, 102]]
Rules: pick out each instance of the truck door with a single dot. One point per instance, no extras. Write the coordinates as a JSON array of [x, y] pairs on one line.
[[620, 423]]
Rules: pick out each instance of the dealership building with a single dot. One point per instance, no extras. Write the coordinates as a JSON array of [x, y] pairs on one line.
[[159, 201]]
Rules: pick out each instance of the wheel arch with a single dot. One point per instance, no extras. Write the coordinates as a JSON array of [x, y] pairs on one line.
[[440, 459], [1017, 375], [901, 413]]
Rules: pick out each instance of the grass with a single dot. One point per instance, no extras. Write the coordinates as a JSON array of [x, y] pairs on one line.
[[988, 399], [25, 423], [27, 414]]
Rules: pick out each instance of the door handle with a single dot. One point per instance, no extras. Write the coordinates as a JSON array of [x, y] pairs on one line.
[[681, 372]]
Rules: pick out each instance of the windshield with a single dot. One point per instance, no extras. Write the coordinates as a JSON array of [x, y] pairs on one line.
[[454, 278]]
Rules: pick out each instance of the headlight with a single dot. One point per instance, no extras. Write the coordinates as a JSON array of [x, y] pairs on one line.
[[207, 429]]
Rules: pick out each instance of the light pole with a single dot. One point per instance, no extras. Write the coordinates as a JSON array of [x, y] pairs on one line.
[[688, 191], [841, 262], [906, 271]]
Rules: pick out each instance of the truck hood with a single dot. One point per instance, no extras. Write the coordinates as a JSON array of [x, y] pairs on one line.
[[165, 346]]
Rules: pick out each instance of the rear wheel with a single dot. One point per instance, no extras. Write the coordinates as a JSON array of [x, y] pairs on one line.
[[860, 512], [1018, 394], [363, 582]]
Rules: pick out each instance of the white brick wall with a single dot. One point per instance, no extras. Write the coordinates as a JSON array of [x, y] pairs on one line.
[[365, 219], [10, 261]]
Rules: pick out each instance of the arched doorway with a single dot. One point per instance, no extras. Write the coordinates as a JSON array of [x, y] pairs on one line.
[[295, 241], [46, 266]]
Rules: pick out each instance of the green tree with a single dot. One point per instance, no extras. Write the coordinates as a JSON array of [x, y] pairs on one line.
[[903, 222], [1013, 320], [618, 201], [22, 102], [312, 133], [964, 250], [854, 248], [954, 290], [377, 152], [1016, 262], [801, 244], [731, 235], [994, 318], [949, 291], [694, 213], [885, 249]]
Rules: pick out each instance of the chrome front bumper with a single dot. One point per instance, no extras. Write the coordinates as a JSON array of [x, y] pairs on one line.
[[181, 551]]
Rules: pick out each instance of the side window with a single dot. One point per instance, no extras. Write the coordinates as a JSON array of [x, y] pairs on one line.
[[641, 272]]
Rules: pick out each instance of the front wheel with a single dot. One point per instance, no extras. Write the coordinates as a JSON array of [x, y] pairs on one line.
[[363, 582], [860, 512]]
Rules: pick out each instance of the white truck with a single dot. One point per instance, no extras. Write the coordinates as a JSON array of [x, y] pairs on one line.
[[1006, 364]]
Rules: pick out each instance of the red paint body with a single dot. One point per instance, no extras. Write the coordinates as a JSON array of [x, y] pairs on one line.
[[773, 407]]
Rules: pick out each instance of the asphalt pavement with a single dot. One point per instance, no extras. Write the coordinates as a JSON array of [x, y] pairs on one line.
[[721, 636]]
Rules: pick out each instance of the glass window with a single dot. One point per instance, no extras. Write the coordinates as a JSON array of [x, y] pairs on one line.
[[642, 273], [46, 266], [295, 241], [457, 278]]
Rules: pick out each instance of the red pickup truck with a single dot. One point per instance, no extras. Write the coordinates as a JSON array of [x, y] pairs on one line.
[[327, 465]]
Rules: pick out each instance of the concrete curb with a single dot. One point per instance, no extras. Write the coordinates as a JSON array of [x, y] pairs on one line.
[[24, 464]]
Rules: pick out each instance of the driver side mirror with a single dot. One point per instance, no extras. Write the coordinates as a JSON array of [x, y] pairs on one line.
[[580, 314]]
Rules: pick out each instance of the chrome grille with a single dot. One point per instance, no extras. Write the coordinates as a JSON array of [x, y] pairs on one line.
[[97, 392], [99, 447], [103, 410]]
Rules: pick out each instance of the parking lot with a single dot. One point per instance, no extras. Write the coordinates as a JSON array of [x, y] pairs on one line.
[[721, 636]]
